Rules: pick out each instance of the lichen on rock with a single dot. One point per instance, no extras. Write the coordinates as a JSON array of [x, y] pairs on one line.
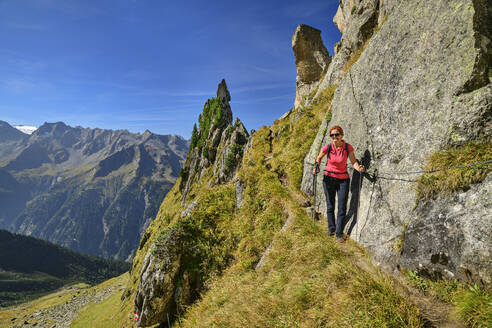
[[357, 21], [233, 141], [450, 237]]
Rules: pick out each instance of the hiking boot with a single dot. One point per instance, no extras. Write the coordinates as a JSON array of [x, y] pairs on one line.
[[330, 234], [340, 239]]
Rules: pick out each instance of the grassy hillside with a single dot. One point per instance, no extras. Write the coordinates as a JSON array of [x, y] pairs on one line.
[[31, 267], [306, 280]]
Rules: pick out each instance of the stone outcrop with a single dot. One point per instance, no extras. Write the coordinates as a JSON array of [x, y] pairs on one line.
[[217, 143], [155, 297], [312, 60], [233, 140], [450, 236], [166, 282], [421, 84], [239, 188]]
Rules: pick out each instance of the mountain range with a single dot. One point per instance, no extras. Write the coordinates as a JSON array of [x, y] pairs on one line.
[[91, 190], [236, 242]]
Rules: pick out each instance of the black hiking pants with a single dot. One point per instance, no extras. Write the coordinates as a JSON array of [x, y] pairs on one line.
[[332, 187]]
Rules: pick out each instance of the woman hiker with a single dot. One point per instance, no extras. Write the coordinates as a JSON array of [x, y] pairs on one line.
[[336, 179]]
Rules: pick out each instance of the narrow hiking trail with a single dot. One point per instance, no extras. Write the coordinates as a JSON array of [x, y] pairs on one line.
[[435, 313]]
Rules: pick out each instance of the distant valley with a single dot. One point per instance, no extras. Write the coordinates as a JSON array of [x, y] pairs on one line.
[[92, 190], [30, 267]]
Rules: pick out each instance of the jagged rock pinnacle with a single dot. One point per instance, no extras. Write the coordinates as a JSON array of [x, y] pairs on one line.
[[312, 59], [223, 93]]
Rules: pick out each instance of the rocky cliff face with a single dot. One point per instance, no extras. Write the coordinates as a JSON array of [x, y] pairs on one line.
[[170, 277], [73, 186], [413, 78], [407, 80]]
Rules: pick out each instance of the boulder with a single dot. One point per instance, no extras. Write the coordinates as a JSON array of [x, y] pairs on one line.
[[450, 237], [155, 296], [312, 60]]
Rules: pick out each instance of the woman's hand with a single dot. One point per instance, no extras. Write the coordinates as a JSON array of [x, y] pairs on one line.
[[361, 168], [316, 168]]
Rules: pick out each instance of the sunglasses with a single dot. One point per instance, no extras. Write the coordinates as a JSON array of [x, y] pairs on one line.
[[334, 135]]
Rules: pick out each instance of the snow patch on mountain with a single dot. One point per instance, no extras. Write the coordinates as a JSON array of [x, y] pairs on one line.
[[26, 128]]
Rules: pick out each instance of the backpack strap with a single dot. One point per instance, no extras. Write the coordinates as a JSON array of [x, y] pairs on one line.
[[329, 150]]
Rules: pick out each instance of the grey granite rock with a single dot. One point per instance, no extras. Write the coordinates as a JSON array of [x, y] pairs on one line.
[[356, 20], [418, 87], [231, 151], [451, 236], [189, 209], [154, 298]]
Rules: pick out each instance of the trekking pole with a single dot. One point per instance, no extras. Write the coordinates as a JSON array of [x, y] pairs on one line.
[[314, 191], [358, 205]]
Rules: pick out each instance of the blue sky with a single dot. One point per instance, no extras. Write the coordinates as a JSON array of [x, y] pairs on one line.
[[150, 64]]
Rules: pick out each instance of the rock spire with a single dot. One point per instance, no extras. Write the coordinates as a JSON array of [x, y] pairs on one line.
[[312, 60]]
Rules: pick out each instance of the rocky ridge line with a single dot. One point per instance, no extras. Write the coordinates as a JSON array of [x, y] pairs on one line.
[[216, 151]]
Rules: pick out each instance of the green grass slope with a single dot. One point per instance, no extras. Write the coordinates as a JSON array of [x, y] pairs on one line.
[[307, 280]]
